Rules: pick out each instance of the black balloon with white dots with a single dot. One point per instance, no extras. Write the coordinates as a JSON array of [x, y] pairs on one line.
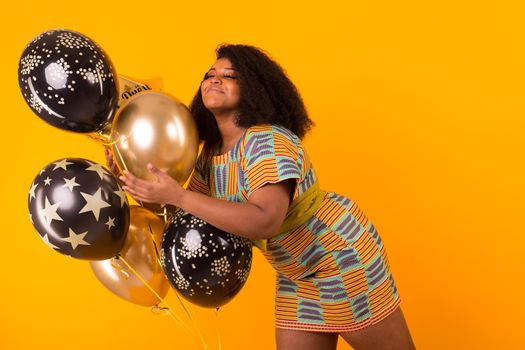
[[207, 266], [68, 81], [79, 209]]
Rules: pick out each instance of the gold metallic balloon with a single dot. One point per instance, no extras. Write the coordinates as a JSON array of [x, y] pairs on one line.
[[141, 253], [127, 87], [153, 127]]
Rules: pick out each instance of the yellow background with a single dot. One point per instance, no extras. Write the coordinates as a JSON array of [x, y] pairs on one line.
[[419, 107]]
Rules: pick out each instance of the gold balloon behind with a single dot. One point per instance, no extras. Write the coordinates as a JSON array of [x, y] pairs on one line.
[[141, 253], [154, 127]]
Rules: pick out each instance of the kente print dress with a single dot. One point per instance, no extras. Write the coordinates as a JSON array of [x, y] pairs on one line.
[[332, 270]]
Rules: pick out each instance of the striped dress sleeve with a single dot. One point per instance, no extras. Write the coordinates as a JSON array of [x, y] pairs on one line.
[[197, 182], [271, 155]]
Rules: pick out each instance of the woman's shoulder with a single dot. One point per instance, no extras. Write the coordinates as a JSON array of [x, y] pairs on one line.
[[270, 132], [267, 141]]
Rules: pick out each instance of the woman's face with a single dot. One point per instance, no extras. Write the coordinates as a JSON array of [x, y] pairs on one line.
[[220, 88]]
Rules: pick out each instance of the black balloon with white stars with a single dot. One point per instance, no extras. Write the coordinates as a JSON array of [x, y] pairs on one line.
[[207, 266], [68, 81], [79, 209]]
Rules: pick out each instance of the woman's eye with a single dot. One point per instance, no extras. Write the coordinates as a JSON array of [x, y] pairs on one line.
[[208, 76]]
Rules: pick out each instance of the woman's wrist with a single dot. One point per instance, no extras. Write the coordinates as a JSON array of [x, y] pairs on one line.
[[178, 198]]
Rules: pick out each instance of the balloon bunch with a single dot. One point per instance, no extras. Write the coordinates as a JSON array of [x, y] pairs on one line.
[[78, 207]]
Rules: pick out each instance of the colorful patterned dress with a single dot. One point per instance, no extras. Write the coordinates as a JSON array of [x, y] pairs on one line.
[[332, 271]]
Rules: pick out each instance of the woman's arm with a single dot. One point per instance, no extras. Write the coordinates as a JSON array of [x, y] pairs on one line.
[[259, 218]]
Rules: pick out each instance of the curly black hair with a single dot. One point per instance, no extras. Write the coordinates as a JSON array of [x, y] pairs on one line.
[[267, 96]]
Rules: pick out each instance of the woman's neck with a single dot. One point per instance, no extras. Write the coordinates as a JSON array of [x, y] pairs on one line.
[[230, 133]]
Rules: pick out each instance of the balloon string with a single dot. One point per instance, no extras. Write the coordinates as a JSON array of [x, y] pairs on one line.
[[170, 312], [193, 322], [218, 328], [125, 167], [121, 159], [116, 265], [167, 308]]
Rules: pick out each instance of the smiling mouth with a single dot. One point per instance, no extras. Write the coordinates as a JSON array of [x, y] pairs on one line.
[[214, 90]]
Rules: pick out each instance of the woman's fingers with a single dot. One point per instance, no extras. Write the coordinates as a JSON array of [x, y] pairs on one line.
[[148, 191], [138, 198], [136, 194], [131, 191], [133, 180], [139, 186], [155, 171]]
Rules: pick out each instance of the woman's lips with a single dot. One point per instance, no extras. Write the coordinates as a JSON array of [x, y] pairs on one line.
[[214, 89]]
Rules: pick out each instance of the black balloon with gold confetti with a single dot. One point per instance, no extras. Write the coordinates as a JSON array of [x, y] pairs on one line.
[[206, 265], [68, 81]]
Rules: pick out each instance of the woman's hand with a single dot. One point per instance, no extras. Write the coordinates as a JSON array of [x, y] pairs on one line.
[[110, 163], [165, 190]]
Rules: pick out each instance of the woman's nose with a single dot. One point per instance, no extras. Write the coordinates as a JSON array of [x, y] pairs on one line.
[[215, 80]]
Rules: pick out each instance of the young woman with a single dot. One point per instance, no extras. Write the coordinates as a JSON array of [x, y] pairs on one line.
[[254, 179]]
